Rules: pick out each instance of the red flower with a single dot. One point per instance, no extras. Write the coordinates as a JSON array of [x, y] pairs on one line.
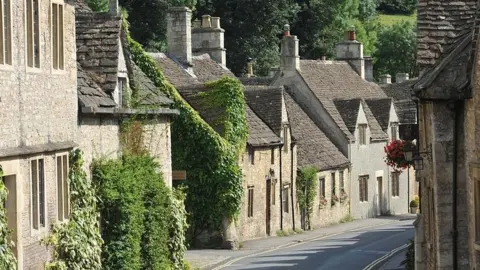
[[395, 157]]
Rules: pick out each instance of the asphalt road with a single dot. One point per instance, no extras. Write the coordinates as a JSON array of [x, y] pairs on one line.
[[348, 251]]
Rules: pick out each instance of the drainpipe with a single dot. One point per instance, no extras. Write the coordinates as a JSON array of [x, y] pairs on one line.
[[456, 107], [281, 189], [292, 145]]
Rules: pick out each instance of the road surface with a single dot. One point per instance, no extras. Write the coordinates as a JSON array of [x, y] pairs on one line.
[[347, 251]]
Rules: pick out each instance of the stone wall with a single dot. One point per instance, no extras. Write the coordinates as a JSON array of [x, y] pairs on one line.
[[38, 106]]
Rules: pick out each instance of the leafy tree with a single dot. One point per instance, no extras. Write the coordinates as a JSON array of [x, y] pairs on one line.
[[367, 9], [396, 50], [397, 6], [147, 18], [98, 5], [252, 29]]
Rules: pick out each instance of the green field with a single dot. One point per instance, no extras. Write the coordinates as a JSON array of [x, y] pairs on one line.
[[392, 19]]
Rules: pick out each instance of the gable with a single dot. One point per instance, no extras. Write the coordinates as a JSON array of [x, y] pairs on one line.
[[381, 109], [349, 110]]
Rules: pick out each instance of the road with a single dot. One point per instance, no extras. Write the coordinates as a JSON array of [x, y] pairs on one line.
[[347, 251]]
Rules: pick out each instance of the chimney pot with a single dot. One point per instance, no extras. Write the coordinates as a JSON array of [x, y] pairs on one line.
[[113, 7], [216, 22], [197, 23], [286, 30], [206, 22], [401, 77], [385, 79]]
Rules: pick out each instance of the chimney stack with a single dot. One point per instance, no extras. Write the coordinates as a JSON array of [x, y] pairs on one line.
[[208, 37], [351, 50], [401, 77], [113, 7], [179, 34], [385, 79], [289, 59], [369, 69]]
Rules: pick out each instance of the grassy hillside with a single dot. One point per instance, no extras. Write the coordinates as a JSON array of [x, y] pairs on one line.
[[392, 19]]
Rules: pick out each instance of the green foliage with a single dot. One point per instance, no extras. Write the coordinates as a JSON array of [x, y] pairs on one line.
[[397, 6], [367, 10], [306, 191], [214, 176], [7, 258], [347, 218], [409, 261], [148, 20], [396, 50], [388, 20], [143, 224], [98, 5], [77, 243], [413, 203]]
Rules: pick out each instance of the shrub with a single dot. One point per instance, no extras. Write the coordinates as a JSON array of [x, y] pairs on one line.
[[413, 203], [409, 261], [397, 6]]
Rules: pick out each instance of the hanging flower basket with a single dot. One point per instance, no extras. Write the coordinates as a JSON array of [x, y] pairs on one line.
[[343, 197], [395, 152]]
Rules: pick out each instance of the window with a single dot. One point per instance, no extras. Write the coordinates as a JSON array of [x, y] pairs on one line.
[[285, 138], [342, 181], [333, 183], [394, 131], [273, 192], [63, 192], [5, 33], [362, 133], [363, 184], [321, 187], [476, 186], [57, 33], [251, 155], [250, 201], [272, 157], [38, 193], [395, 184], [285, 198], [33, 34]]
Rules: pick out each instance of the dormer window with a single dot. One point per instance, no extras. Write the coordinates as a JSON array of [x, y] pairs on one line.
[[285, 139], [5, 33], [57, 37], [121, 91], [394, 131], [362, 134], [33, 34]]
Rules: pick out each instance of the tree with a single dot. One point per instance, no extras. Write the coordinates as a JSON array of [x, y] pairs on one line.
[[252, 29], [98, 5], [148, 23], [367, 9], [397, 6], [396, 50]]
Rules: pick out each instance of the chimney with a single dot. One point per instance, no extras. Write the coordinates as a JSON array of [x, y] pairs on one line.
[[289, 59], [369, 69], [385, 79], [351, 50], [208, 37], [179, 34], [113, 7], [401, 77], [250, 68]]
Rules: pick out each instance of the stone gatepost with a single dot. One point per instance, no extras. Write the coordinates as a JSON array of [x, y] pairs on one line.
[[419, 243]]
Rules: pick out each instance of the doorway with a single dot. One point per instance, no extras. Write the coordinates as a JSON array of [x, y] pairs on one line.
[[11, 207], [379, 195], [268, 206]]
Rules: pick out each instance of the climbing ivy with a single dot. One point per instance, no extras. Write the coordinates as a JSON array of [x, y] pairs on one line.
[[214, 176], [77, 243], [7, 258], [306, 192]]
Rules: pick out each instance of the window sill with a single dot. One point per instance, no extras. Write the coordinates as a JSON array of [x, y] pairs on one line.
[[34, 70], [59, 71], [6, 67], [41, 232]]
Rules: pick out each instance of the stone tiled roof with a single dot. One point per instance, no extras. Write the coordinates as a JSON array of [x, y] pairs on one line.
[[378, 108], [330, 80], [267, 104], [313, 146], [207, 69], [174, 72], [259, 134], [256, 80], [148, 93], [98, 47], [402, 95], [348, 109], [89, 93]]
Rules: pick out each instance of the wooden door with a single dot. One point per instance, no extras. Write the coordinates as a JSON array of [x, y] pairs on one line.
[[379, 195], [268, 206], [11, 207]]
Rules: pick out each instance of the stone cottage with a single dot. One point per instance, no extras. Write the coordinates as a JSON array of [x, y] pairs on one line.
[[38, 112], [106, 78], [196, 56], [448, 228], [355, 115]]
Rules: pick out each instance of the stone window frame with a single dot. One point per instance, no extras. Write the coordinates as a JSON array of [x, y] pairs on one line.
[[33, 58], [273, 190], [363, 187], [341, 180], [272, 156], [321, 187], [395, 184], [362, 134], [62, 182], [251, 155], [285, 138], [6, 46], [475, 175], [250, 200], [394, 131], [58, 50], [333, 182], [285, 200], [36, 226]]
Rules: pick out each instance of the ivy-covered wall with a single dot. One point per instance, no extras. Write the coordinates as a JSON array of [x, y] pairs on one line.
[[214, 184]]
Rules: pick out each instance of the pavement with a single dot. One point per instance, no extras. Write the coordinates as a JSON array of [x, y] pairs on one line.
[[395, 263], [218, 259]]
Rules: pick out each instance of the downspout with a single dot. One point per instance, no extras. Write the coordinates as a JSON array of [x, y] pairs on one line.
[[292, 145], [281, 189], [456, 107]]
